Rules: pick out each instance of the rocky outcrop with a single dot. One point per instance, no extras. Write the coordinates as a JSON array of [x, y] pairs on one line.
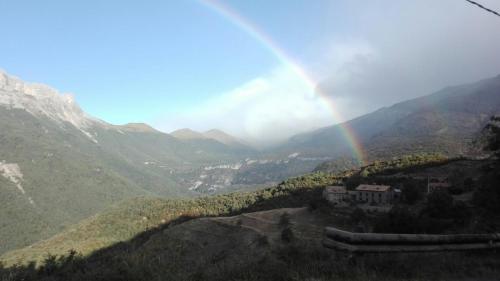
[[43, 101]]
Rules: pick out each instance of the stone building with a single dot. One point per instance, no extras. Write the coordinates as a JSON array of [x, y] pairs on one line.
[[438, 183], [378, 194], [336, 194]]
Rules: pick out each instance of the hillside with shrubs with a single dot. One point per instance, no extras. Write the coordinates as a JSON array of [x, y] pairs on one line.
[[158, 238]]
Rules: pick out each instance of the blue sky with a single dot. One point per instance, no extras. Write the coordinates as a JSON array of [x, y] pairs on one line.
[[129, 60], [177, 64]]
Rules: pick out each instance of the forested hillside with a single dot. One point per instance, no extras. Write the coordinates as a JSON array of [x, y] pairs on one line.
[[179, 239], [58, 165]]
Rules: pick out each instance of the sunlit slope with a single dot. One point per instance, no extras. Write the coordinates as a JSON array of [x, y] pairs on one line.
[[70, 177], [131, 217], [62, 176], [21, 223], [259, 235], [58, 165]]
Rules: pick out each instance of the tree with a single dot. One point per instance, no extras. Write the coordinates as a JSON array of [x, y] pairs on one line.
[[457, 180], [468, 184], [398, 220], [411, 193], [364, 173], [487, 197], [287, 235], [358, 215], [439, 204]]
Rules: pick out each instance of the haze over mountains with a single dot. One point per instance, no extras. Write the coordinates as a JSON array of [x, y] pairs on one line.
[[60, 165], [214, 134], [444, 121]]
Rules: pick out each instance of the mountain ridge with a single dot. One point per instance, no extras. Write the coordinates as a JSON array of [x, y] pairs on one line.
[[212, 134], [187, 134], [74, 165], [82, 165], [42, 100], [138, 127], [476, 101]]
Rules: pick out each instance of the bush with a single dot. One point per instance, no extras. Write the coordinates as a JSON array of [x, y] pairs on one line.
[[439, 204], [456, 190], [397, 220], [287, 235], [468, 184], [358, 216], [411, 193], [487, 197], [285, 220], [461, 214]]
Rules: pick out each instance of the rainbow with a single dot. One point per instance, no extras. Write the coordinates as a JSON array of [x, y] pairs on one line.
[[265, 40]]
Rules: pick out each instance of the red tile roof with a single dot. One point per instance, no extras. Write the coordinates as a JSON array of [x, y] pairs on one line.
[[373, 188], [335, 189]]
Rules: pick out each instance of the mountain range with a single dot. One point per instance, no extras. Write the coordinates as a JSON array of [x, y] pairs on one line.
[[58, 165], [213, 134]]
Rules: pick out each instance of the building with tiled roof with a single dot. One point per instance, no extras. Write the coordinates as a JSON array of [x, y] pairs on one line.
[[372, 193], [335, 194]]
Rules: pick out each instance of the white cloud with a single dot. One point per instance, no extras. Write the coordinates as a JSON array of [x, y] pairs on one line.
[[267, 109], [275, 106], [394, 52], [411, 48]]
